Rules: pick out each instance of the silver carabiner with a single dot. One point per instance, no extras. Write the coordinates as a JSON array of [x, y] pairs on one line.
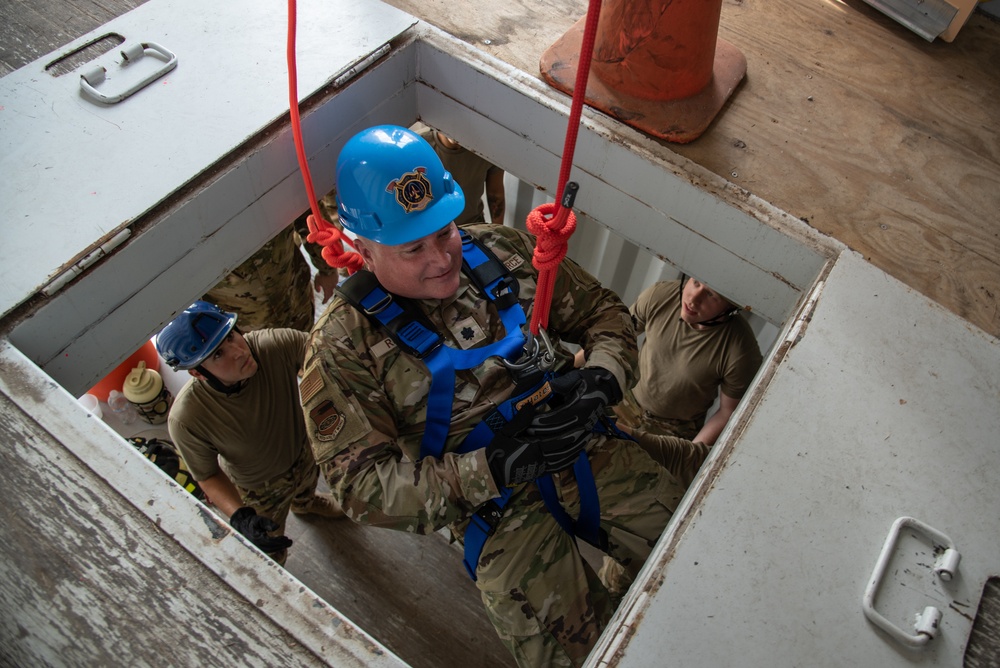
[[536, 356]]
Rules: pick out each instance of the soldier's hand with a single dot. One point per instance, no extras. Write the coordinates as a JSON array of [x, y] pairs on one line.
[[578, 401], [327, 284], [256, 528], [514, 460]]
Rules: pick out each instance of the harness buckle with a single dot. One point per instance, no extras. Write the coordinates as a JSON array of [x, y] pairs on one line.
[[537, 356], [380, 306], [488, 516]]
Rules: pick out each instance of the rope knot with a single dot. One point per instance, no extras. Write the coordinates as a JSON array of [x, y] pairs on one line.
[[552, 225], [332, 240]]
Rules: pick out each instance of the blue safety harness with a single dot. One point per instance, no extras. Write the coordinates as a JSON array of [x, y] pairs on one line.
[[413, 332]]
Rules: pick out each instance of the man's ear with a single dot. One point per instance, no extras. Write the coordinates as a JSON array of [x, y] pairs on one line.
[[197, 374], [361, 245]]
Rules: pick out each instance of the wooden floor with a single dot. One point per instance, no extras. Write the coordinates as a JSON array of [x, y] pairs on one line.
[[845, 120], [410, 592]]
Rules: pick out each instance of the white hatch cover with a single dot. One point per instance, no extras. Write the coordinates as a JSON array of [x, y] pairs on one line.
[[888, 407], [77, 167]]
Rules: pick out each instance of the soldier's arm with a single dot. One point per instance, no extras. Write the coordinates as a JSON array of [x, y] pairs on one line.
[[222, 493], [586, 313], [714, 425], [682, 458], [355, 434]]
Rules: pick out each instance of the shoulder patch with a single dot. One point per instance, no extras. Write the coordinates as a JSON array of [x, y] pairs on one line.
[[328, 420], [311, 384], [383, 348], [513, 262]]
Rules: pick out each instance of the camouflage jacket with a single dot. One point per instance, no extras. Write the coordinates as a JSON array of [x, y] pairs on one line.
[[273, 287], [365, 401]]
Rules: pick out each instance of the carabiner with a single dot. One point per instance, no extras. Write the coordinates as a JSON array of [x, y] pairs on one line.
[[534, 358]]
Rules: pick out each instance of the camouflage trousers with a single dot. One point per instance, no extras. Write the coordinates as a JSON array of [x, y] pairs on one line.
[[635, 416], [545, 601], [293, 489]]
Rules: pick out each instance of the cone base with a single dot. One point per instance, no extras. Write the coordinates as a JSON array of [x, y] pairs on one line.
[[679, 121]]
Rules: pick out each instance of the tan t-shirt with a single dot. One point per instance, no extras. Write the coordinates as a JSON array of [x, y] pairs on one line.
[[681, 369], [258, 431]]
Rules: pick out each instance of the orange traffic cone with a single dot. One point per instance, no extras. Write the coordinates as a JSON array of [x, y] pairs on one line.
[[658, 65]]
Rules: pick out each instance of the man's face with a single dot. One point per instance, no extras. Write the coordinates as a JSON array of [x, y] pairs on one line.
[[700, 303], [428, 268], [231, 362]]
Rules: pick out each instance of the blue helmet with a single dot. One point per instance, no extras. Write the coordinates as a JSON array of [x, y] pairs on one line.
[[392, 187], [192, 336]]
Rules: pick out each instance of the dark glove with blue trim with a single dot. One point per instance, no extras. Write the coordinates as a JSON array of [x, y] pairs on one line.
[[256, 527], [578, 401]]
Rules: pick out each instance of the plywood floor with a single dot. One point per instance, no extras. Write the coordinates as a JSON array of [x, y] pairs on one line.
[[846, 120]]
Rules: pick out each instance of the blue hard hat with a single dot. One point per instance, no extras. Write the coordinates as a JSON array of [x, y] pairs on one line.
[[192, 336], [392, 187]]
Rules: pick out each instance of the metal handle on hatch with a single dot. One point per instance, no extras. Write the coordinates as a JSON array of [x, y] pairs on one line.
[[95, 76], [945, 568]]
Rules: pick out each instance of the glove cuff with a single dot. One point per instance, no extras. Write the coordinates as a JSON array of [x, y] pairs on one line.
[[241, 517]]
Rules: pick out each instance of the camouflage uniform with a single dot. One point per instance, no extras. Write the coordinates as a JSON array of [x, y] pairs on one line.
[[292, 490], [273, 288], [365, 405]]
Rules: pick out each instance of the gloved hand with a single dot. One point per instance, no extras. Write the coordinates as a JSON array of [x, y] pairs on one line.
[[256, 527], [578, 400], [514, 460]]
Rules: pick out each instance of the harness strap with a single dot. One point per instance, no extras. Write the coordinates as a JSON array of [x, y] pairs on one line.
[[413, 332], [484, 521]]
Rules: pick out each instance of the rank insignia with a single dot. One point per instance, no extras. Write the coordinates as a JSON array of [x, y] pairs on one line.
[[413, 190]]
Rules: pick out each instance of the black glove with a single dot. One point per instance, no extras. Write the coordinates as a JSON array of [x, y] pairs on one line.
[[514, 460], [256, 527], [565, 426]]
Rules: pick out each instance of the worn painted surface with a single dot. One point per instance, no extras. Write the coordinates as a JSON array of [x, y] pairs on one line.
[[107, 562], [115, 162], [885, 407]]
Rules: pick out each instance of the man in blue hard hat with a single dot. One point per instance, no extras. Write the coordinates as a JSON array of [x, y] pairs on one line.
[[428, 403], [238, 425]]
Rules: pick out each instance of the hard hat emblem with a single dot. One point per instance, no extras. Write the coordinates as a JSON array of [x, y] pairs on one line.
[[413, 190]]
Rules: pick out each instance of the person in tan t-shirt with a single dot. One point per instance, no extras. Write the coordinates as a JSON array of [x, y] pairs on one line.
[[698, 349], [238, 424]]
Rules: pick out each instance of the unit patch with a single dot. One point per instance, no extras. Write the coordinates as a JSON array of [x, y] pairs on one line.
[[328, 420], [413, 190]]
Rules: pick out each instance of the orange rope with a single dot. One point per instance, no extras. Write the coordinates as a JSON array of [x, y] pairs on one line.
[[554, 223], [320, 230]]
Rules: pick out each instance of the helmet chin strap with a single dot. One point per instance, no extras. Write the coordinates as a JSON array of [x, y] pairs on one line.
[[720, 319], [217, 384]]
